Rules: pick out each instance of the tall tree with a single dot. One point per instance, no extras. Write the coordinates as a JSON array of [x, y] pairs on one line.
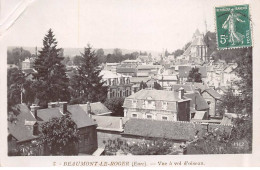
[[88, 81], [194, 75], [51, 82], [15, 81], [17, 55]]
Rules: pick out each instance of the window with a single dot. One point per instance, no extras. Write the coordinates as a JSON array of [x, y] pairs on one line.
[[149, 116], [134, 115], [164, 118]]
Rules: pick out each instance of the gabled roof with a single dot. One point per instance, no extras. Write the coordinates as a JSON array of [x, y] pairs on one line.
[[200, 86], [97, 108], [160, 129], [79, 116], [184, 71], [187, 88], [109, 122], [197, 100], [199, 115], [125, 70], [162, 95], [18, 129], [213, 93], [139, 79]]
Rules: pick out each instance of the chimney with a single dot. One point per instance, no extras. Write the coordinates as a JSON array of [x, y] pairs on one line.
[[88, 108], [36, 129], [181, 92], [63, 107], [34, 108], [121, 123]]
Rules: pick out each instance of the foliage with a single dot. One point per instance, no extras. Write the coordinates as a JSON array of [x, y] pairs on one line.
[[86, 83], [230, 103], [178, 52], [115, 105], [194, 75], [153, 147], [77, 60], [217, 142], [51, 82], [245, 84], [15, 81], [17, 55], [60, 135], [157, 86], [143, 85]]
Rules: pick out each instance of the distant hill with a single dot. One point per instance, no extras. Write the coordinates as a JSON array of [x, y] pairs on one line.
[[71, 52]]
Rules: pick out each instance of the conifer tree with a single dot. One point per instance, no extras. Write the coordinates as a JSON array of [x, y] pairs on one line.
[[51, 82], [87, 83]]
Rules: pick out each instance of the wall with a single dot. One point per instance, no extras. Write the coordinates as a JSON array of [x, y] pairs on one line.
[[105, 135], [88, 139]]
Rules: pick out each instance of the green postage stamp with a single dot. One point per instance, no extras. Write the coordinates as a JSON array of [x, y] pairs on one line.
[[233, 27]]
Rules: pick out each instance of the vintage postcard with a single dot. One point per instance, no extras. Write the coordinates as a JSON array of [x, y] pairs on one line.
[[148, 83]]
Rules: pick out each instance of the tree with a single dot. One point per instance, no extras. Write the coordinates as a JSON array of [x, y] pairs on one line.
[[77, 60], [17, 55], [51, 82], [60, 135], [217, 142], [245, 84], [15, 81], [143, 85], [157, 86], [101, 56], [117, 52], [115, 105], [66, 60], [87, 82], [230, 103], [194, 75], [178, 52]]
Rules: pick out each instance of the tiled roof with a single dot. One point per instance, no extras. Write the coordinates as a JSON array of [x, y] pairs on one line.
[[184, 71], [139, 79], [197, 99], [155, 95], [175, 130], [18, 129], [200, 86], [125, 70], [147, 67], [97, 108], [160, 129], [109, 122], [213, 93], [167, 77], [79, 116]]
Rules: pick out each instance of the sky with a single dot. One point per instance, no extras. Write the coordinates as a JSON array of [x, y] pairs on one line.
[[127, 24]]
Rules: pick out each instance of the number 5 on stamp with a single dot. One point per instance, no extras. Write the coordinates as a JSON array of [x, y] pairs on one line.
[[233, 27]]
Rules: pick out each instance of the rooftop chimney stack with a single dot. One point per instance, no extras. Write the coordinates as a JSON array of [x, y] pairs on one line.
[[121, 123], [34, 108], [88, 108], [63, 107], [181, 93]]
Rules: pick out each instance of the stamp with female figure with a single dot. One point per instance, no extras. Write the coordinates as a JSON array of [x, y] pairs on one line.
[[233, 26]]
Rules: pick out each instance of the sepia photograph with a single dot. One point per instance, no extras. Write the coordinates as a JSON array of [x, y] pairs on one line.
[[119, 79]]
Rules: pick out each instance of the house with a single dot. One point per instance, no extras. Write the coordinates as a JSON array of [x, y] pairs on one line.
[[127, 71], [111, 67], [185, 70], [118, 85], [148, 70], [167, 80], [28, 63], [175, 131], [158, 105], [108, 128], [212, 97], [97, 108], [25, 129]]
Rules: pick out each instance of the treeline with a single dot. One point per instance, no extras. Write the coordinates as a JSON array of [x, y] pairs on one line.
[[50, 83]]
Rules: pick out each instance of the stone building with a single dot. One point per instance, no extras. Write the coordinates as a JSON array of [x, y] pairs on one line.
[[158, 105]]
